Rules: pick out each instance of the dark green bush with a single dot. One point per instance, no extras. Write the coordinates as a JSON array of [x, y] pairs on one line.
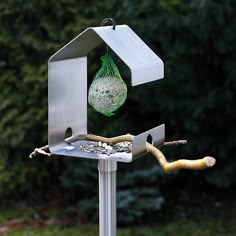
[[195, 39]]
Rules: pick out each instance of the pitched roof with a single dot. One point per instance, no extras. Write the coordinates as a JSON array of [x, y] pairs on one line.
[[144, 64]]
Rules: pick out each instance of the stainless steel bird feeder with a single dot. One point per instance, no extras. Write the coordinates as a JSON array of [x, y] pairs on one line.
[[67, 76]]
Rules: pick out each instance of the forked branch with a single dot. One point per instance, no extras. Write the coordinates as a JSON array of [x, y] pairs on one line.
[[168, 167]]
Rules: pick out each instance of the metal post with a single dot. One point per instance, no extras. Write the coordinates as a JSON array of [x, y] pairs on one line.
[[107, 197]]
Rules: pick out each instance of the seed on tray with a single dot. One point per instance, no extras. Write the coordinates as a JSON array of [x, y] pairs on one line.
[[104, 148]]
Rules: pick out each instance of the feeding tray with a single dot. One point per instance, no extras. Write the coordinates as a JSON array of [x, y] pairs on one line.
[[67, 76], [137, 147]]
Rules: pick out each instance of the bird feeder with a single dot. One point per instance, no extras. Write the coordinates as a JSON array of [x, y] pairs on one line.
[[67, 77]]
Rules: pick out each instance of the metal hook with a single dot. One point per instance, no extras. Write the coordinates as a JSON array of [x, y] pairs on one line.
[[104, 22], [107, 20]]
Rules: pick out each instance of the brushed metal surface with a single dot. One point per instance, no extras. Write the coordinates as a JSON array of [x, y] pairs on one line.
[[67, 76], [107, 198], [67, 99], [67, 150], [138, 147], [139, 141], [144, 64]]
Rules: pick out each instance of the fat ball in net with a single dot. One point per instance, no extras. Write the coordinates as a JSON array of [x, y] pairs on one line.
[[108, 91]]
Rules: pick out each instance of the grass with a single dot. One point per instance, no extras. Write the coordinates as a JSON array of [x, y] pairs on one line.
[[185, 227]]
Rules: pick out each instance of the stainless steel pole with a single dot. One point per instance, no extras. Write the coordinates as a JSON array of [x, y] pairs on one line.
[[107, 197]]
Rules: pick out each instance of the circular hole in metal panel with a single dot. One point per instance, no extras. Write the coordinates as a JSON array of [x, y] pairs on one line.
[[149, 139], [68, 132]]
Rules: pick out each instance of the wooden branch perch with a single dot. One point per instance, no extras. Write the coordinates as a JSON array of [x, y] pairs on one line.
[[168, 167]]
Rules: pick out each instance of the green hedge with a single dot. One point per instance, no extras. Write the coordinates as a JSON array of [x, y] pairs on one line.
[[196, 99]]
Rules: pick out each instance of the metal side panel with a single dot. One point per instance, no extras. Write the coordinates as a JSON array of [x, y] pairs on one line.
[[67, 99], [139, 141]]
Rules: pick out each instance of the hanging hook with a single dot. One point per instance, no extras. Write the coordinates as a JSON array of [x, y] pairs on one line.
[[107, 20], [104, 22]]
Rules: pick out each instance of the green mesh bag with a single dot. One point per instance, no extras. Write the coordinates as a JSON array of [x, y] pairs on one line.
[[108, 91]]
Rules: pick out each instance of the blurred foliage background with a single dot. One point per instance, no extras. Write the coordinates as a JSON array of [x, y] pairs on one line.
[[195, 39]]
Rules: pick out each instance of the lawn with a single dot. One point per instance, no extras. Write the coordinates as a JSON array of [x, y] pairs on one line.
[[187, 228], [184, 227]]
